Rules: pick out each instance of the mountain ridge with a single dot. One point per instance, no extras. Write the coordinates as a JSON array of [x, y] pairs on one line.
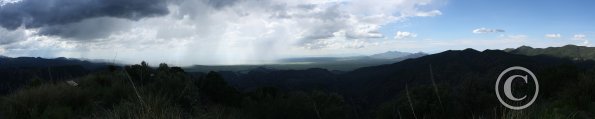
[[573, 52]]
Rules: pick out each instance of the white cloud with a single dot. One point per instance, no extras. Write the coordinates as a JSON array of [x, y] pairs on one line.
[[517, 37], [486, 30], [404, 35], [194, 32], [440, 45], [29, 44], [587, 43], [4, 2], [582, 38], [8, 37], [553, 36], [579, 36], [429, 14]]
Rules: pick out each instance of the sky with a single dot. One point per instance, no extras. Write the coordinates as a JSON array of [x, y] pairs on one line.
[[227, 32]]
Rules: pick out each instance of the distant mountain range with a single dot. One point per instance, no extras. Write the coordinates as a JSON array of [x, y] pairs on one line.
[[454, 64], [569, 51], [331, 63], [18, 71], [36, 62], [392, 55], [21, 69], [465, 77]]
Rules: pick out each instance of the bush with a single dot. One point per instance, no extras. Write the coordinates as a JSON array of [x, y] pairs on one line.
[[47, 101], [153, 107]]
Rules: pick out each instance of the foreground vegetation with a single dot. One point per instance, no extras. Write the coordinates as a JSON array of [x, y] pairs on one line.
[[457, 84], [141, 92]]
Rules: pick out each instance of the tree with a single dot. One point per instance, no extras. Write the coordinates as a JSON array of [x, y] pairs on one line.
[[216, 89]]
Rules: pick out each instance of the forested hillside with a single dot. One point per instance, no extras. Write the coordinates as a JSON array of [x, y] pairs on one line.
[[451, 84]]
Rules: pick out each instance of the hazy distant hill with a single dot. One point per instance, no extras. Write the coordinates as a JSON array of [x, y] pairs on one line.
[[465, 80], [569, 51], [15, 72], [390, 55], [383, 81], [394, 55], [463, 76], [449, 67], [330, 63], [33, 62], [464, 86], [293, 80]]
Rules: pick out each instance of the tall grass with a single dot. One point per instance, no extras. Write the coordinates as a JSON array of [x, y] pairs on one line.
[[161, 107], [409, 100], [172, 95], [139, 97], [47, 101], [436, 88]]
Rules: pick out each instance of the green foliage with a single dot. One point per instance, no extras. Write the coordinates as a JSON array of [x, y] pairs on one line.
[[155, 107], [35, 81], [47, 101], [141, 92], [577, 97], [164, 93], [424, 101], [216, 89], [565, 92], [569, 51], [140, 73], [269, 103]]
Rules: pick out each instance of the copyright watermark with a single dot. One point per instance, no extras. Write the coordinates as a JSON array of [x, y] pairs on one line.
[[527, 91]]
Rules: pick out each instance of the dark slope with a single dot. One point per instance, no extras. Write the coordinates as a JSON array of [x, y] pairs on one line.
[[383, 81], [465, 79], [289, 80], [378, 83], [330, 63], [16, 72], [466, 75], [25, 62]]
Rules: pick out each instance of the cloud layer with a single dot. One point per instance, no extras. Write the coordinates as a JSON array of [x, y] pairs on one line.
[[582, 38], [39, 13], [486, 30], [553, 36], [404, 35], [200, 31]]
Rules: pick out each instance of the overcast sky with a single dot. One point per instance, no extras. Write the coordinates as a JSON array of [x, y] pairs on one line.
[[186, 32]]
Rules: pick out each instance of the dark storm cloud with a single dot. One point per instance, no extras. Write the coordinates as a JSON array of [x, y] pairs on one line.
[[86, 29], [8, 37], [40, 13], [4, 41], [221, 3]]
